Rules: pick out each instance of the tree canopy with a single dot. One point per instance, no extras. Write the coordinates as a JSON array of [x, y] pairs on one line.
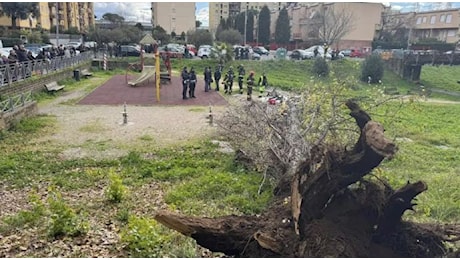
[[263, 34], [113, 18], [199, 37], [21, 10], [282, 29]]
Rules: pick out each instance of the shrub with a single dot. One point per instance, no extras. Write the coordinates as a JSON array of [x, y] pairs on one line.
[[372, 67], [116, 191], [144, 238], [320, 67], [63, 219]]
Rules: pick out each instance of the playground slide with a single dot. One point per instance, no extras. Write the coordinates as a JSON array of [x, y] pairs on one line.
[[147, 73]]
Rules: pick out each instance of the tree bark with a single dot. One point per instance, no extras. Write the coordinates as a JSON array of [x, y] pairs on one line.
[[302, 225]]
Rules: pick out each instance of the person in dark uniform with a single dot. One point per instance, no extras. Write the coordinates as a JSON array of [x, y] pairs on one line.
[[263, 83], [250, 84], [185, 82], [241, 73], [228, 81], [207, 79], [192, 83], [217, 76]]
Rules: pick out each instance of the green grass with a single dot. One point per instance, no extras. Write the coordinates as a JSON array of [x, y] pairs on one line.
[[429, 150], [198, 180], [441, 77]]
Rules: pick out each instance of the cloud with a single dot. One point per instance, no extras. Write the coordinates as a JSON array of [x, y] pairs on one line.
[[139, 12], [202, 15]]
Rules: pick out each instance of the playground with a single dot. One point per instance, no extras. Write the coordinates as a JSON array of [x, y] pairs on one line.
[[116, 91]]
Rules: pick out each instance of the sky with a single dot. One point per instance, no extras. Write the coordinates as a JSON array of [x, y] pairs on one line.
[[136, 11]]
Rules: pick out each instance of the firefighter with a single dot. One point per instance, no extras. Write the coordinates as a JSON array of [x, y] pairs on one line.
[[228, 81], [185, 82], [250, 84], [241, 73], [263, 83]]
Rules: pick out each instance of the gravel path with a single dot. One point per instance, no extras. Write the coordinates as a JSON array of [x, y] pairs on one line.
[[87, 129]]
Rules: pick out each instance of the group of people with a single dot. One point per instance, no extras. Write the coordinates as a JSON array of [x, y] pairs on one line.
[[21, 54], [189, 80]]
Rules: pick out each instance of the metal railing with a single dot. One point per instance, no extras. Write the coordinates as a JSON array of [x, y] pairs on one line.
[[15, 102], [10, 73]]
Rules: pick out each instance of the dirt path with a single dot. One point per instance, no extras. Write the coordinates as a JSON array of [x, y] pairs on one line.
[[82, 128]]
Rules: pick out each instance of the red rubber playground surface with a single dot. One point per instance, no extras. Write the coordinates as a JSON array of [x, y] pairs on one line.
[[116, 92]]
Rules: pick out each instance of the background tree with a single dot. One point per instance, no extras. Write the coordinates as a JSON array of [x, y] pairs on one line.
[[333, 24], [263, 26], [139, 26], [182, 36], [282, 29], [231, 36], [393, 33], [19, 10], [160, 34], [173, 35], [197, 24], [199, 37], [113, 18], [239, 22], [250, 26]]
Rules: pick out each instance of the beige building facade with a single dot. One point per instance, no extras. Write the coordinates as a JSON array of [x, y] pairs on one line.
[[79, 15], [175, 17], [365, 18]]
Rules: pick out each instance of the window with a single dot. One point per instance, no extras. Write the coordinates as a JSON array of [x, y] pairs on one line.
[[419, 20], [442, 18], [174, 10], [451, 33], [424, 19], [433, 19], [449, 18]]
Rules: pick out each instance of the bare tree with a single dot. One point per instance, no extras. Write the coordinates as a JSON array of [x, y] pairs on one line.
[[333, 23]]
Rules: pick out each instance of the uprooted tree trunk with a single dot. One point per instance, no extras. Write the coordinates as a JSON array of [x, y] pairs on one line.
[[330, 211]]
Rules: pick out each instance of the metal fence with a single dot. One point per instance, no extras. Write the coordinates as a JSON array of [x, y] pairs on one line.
[[12, 103], [10, 73]]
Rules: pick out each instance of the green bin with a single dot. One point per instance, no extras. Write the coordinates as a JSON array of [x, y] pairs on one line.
[[281, 53]]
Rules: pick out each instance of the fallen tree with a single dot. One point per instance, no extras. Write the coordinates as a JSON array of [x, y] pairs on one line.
[[323, 205]]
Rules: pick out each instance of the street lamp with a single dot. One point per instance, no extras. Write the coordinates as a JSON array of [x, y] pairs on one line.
[[245, 22]]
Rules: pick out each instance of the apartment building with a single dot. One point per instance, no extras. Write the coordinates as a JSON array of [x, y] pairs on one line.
[[305, 23], [175, 17], [223, 10], [440, 24], [70, 14]]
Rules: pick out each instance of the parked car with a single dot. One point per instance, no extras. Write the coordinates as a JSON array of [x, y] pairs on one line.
[[311, 51], [255, 56], [192, 48], [128, 50], [204, 51], [346, 52], [73, 44], [356, 54], [261, 50], [173, 52], [300, 54]]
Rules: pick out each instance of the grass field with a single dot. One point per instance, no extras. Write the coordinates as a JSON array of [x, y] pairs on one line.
[[196, 179]]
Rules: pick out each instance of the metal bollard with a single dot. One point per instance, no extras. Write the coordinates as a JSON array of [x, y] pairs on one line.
[[210, 116], [125, 115]]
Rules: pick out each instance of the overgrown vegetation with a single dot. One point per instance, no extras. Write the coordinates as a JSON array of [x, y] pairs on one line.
[[320, 67], [199, 180], [115, 191], [372, 69]]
